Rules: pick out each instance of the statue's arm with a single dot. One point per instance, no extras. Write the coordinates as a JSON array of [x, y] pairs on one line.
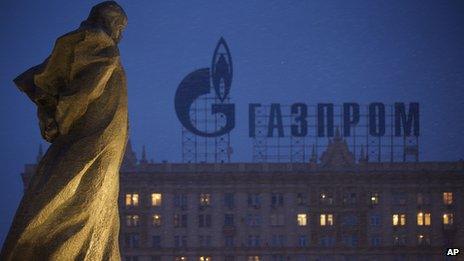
[[95, 58], [25, 82]]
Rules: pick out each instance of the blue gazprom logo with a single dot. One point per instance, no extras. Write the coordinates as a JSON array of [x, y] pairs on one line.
[[201, 82]]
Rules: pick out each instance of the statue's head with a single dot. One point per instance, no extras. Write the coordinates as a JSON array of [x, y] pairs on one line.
[[110, 17]]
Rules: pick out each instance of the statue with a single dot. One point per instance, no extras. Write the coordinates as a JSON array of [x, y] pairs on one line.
[[70, 209]]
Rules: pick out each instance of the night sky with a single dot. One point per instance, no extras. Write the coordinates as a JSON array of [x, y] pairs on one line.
[[283, 51]]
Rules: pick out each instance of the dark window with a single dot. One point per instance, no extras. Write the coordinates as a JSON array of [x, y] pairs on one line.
[[302, 241], [229, 219], [350, 240], [349, 198], [229, 200], [204, 220], [156, 241], [277, 199], [301, 199], [278, 241], [327, 241], [180, 220], [229, 241], [180, 201], [350, 220], [254, 241], [184, 220], [132, 240], [399, 198], [375, 220], [254, 200], [376, 241], [180, 241], [204, 241]]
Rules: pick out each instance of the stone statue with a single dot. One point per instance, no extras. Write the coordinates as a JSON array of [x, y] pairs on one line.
[[70, 209]]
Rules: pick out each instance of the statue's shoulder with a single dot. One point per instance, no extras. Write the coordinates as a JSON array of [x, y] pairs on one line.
[[87, 34], [95, 33]]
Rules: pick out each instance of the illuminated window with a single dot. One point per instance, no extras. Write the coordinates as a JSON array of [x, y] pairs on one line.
[[447, 198], [132, 220], [205, 199], [253, 258], [423, 240], [156, 220], [204, 258], [375, 199], [399, 240], [326, 198], [326, 220], [448, 218], [399, 219], [132, 200], [156, 199], [302, 220], [423, 219]]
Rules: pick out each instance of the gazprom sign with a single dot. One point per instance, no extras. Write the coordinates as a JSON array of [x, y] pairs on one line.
[[403, 118], [406, 119]]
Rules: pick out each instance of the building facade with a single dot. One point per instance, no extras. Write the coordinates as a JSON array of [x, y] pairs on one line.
[[332, 208]]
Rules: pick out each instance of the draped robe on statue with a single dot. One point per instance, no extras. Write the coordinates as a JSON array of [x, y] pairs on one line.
[[70, 209]]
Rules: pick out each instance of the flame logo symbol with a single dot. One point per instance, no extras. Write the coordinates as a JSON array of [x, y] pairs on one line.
[[201, 82], [221, 70]]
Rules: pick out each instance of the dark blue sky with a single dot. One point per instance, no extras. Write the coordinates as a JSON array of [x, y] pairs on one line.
[[283, 51]]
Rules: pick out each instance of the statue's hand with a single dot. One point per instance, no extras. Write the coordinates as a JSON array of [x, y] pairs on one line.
[[48, 125], [51, 131]]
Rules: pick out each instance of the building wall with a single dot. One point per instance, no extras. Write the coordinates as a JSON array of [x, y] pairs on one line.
[[348, 238]]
